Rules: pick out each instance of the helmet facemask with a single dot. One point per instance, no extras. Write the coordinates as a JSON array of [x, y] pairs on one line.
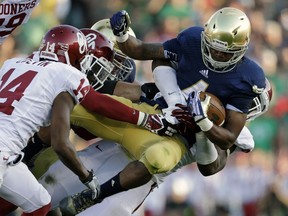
[[123, 66], [98, 71], [260, 103], [220, 66]]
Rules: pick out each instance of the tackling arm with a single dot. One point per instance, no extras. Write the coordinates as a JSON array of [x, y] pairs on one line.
[[113, 109]]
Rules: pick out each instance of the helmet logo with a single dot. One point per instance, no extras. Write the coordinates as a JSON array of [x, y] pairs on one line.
[[82, 43], [91, 38]]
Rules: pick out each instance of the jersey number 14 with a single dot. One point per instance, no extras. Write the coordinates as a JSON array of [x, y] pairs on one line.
[[14, 90]]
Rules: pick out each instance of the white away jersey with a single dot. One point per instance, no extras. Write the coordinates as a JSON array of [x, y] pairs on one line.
[[27, 91], [14, 13]]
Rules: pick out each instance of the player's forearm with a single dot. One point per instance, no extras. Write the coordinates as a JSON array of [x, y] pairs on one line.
[[131, 91], [67, 154], [221, 137], [139, 50]]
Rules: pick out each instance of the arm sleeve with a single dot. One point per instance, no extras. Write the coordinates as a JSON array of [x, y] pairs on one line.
[[109, 107], [166, 82]]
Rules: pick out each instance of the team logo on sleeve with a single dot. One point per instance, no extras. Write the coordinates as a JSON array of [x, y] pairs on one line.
[[170, 55]]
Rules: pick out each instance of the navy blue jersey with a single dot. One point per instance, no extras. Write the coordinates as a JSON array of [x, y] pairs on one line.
[[234, 87]]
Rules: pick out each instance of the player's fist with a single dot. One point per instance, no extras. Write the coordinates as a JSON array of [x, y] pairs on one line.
[[120, 23], [185, 119], [157, 124], [199, 108], [92, 183]]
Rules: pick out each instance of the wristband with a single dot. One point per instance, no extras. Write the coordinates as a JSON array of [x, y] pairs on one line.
[[123, 38], [142, 118], [205, 124], [89, 178]]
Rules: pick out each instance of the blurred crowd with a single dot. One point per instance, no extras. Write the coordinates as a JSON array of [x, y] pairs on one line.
[[251, 184]]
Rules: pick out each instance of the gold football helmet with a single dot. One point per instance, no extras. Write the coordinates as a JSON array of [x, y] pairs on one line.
[[227, 33], [122, 62]]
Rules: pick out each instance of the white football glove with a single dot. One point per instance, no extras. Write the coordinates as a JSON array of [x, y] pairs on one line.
[[92, 183], [199, 109]]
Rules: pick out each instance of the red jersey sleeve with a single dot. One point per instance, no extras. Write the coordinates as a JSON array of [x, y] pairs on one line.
[[109, 107]]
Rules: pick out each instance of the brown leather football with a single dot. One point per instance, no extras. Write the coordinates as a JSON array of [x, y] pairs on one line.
[[216, 110]]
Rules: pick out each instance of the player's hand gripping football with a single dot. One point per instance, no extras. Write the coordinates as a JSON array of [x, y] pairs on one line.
[[186, 121], [92, 183], [199, 109], [156, 123], [120, 23]]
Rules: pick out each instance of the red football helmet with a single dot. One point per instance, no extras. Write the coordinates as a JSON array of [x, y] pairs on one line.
[[260, 103], [101, 57], [124, 65], [65, 43]]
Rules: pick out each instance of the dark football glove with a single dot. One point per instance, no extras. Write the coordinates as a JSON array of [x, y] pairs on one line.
[[157, 124], [186, 120], [120, 23], [150, 90]]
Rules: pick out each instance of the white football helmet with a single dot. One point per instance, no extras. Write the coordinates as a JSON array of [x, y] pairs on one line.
[[260, 103], [227, 31], [123, 64]]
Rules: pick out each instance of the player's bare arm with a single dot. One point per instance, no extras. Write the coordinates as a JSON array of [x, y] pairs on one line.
[[60, 128], [131, 91], [226, 135], [140, 50], [131, 46]]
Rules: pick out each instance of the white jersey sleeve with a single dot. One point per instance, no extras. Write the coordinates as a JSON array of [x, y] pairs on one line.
[[14, 13], [27, 92]]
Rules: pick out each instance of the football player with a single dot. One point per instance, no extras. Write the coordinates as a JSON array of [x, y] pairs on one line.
[[24, 109], [63, 86], [108, 158], [13, 14], [200, 59]]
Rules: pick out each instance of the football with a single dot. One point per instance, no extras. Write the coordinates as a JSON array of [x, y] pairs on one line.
[[216, 110]]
